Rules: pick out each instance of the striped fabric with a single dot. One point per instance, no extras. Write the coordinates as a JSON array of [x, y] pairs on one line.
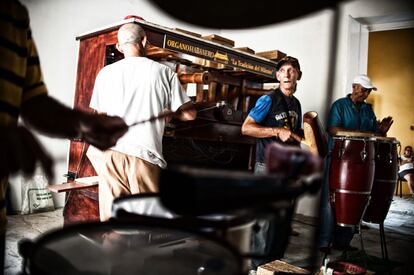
[[20, 74]]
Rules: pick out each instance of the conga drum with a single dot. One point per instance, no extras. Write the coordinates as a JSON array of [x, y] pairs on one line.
[[156, 248], [351, 175], [385, 179]]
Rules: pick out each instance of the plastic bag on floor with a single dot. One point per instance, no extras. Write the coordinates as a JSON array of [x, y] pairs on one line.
[[36, 196]]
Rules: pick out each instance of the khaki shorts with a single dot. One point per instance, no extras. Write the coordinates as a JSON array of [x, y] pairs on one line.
[[121, 174]]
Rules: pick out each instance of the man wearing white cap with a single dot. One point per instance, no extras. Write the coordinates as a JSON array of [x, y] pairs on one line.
[[350, 113]]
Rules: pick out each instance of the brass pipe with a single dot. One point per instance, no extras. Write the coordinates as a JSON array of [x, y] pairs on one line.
[[244, 98], [234, 96], [224, 91], [211, 96], [245, 104], [200, 92], [200, 78], [224, 79], [255, 92]]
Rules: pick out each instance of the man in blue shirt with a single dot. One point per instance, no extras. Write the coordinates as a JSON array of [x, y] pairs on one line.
[[350, 114], [276, 117]]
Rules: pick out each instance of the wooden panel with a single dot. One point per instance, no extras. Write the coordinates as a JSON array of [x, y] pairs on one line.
[[280, 267], [91, 61], [79, 183], [81, 206], [70, 186], [188, 32], [79, 164], [274, 55], [245, 49], [219, 39]]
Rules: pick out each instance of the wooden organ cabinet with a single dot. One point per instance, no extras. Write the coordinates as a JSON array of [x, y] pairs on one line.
[[211, 69]]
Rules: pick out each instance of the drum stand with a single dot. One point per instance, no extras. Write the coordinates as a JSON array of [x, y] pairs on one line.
[[384, 251], [360, 236]]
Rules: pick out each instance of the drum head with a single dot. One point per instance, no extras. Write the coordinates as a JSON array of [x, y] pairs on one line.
[[355, 134], [125, 248], [387, 139]]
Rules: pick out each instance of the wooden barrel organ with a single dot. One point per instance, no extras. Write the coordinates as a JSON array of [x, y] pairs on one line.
[[210, 70]]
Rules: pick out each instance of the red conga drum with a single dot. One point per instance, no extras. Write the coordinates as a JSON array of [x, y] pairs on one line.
[[385, 179], [351, 175]]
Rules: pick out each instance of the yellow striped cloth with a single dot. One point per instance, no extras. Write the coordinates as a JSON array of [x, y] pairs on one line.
[[20, 74]]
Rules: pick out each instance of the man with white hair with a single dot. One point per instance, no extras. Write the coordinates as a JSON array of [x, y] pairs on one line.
[[351, 114], [135, 88]]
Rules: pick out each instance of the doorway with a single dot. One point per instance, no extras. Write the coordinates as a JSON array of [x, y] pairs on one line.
[[391, 67], [382, 48]]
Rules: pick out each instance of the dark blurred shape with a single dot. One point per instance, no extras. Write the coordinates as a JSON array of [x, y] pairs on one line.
[[290, 161], [196, 191], [233, 14], [156, 247]]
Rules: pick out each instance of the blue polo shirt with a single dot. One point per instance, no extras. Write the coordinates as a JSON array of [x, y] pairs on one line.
[[345, 114], [276, 110]]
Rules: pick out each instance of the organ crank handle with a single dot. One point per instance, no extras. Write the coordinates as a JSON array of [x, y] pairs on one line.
[[168, 113]]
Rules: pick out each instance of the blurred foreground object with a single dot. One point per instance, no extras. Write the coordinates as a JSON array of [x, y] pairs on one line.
[[233, 15], [290, 161], [196, 191]]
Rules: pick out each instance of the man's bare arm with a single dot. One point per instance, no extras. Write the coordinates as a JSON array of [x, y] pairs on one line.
[[52, 118]]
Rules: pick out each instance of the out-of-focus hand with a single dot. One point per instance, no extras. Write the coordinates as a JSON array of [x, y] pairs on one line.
[[385, 124], [168, 115], [100, 130], [21, 151], [284, 134], [186, 112]]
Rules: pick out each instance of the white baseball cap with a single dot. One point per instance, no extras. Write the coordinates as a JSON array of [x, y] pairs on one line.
[[364, 81]]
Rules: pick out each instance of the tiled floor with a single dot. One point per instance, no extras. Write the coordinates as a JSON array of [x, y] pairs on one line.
[[399, 233], [399, 228]]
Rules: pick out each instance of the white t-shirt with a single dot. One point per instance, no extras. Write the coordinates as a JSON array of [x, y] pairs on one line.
[[406, 166], [137, 88]]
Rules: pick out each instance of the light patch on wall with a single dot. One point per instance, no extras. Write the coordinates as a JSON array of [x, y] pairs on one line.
[[191, 89]]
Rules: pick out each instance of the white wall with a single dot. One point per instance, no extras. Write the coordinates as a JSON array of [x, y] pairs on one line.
[[56, 23]]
